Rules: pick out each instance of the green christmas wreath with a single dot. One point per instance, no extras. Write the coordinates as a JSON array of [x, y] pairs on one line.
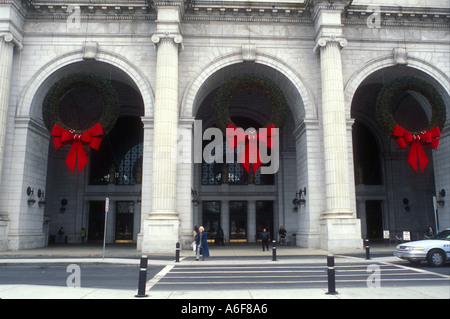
[[400, 85], [111, 109], [249, 81]]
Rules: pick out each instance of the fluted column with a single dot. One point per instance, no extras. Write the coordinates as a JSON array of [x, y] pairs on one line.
[[6, 57], [339, 228], [165, 127], [162, 227], [334, 129]]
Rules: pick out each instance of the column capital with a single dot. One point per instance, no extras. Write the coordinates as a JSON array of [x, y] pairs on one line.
[[8, 37], [174, 38], [324, 41]]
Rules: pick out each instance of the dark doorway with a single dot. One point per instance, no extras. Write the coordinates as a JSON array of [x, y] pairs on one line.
[[238, 221], [264, 217], [96, 225], [374, 219], [124, 222], [211, 218]]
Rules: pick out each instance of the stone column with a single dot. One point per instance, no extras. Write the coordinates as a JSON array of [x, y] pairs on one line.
[[251, 221], [334, 129], [339, 229], [162, 227], [6, 57], [225, 218]]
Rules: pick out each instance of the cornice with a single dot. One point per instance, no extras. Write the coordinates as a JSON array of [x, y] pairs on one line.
[[296, 12], [398, 16], [112, 10]]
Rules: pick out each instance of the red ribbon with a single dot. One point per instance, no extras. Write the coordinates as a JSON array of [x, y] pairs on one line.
[[405, 138], [92, 138], [251, 141]]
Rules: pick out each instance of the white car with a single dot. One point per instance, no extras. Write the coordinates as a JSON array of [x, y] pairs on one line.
[[436, 250]]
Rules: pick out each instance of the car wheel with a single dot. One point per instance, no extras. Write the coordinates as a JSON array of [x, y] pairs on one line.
[[435, 258]]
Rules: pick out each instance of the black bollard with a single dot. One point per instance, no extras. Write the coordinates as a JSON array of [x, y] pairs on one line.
[[177, 252], [331, 276], [367, 249], [274, 250], [142, 277]]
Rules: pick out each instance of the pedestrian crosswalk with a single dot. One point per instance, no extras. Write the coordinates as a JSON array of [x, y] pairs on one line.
[[286, 276]]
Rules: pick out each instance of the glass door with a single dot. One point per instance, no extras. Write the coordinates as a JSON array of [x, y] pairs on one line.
[[211, 218], [264, 217], [124, 222], [238, 221], [96, 224]]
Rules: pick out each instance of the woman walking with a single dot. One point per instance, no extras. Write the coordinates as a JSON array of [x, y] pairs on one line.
[[202, 243]]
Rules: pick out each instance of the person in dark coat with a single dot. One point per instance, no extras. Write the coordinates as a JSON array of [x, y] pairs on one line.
[[265, 237], [220, 237], [202, 239]]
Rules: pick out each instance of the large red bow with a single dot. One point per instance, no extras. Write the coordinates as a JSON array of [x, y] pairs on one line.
[[251, 152], [92, 138], [405, 138]]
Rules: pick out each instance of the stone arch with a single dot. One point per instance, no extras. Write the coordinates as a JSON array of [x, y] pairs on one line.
[[370, 78], [299, 96], [29, 106], [432, 73]]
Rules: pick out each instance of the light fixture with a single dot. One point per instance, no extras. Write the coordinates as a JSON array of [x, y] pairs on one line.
[[298, 199], [41, 196], [194, 197], [31, 200], [441, 200], [64, 202], [406, 203]]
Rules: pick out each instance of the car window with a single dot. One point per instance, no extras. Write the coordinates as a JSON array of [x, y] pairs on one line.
[[445, 235]]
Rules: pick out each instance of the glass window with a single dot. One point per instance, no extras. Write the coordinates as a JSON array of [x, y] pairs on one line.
[[119, 158]]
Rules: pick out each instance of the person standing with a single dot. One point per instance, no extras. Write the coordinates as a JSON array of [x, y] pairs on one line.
[[202, 247], [61, 235], [83, 234], [220, 237], [282, 233], [265, 237]]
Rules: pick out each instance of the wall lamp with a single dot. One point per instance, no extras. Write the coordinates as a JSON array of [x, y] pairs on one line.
[[406, 203], [298, 199], [64, 202], [441, 200], [31, 200], [194, 197], [41, 196]]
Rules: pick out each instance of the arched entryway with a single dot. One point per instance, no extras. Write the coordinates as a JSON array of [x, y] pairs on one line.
[[390, 194], [243, 203], [77, 200]]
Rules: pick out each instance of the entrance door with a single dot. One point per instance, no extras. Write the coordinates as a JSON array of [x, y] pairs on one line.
[[96, 226], [124, 222], [374, 219], [238, 221], [211, 218], [264, 217]]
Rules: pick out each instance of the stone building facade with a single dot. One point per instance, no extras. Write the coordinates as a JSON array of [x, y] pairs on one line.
[[167, 60]]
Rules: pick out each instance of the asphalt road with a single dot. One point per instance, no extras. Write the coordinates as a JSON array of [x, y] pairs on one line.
[[95, 275], [253, 275]]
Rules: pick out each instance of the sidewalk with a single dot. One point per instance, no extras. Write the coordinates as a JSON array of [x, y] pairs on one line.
[[230, 254]]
